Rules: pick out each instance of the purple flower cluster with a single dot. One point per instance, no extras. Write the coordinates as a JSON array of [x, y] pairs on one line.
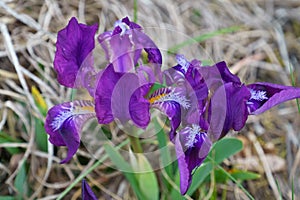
[[202, 103]]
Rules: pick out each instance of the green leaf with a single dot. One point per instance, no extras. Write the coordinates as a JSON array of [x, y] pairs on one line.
[[220, 177], [175, 194], [244, 175], [5, 138], [163, 148], [147, 180], [7, 198], [135, 10], [123, 166], [21, 182], [199, 176], [225, 148], [202, 38], [41, 135]]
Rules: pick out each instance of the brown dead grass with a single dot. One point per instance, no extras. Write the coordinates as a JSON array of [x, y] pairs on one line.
[[264, 49]]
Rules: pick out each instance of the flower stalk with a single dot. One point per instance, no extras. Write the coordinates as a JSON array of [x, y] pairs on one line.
[[135, 143]]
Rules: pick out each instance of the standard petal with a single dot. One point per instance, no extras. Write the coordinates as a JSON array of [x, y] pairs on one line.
[[122, 54], [217, 75], [235, 100], [86, 191], [74, 44], [142, 41], [103, 94], [267, 95], [139, 107], [193, 82], [64, 123], [123, 46], [121, 96], [122, 100]]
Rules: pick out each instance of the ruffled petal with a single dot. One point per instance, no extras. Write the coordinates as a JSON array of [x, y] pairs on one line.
[[173, 111], [64, 123], [218, 74], [123, 46], [74, 44], [132, 102], [191, 146], [103, 95], [139, 107], [122, 53], [170, 101], [235, 98], [121, 96], [267, 95], [86, 191], [194, 84]]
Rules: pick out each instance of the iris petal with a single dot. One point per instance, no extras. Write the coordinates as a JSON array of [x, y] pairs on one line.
[[139, 107], [86, 191], [275, 94], [64, 123], [172, 110], [192, 147], [103, 94], [170, 101], [120, 95], [74, 44], [123, 46], [235, 98]]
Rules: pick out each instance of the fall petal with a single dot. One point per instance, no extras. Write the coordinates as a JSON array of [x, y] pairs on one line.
[[64, 123]]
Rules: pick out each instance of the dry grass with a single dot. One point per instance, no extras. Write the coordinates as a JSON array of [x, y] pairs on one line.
[[265, 47]]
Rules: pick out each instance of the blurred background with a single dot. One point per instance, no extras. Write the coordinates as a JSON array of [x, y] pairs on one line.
[[258, 39]]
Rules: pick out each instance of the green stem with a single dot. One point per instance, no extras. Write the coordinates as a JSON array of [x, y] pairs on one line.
[[135, 144], [232, 178], [73, 94], [89, 170], [135, 10]]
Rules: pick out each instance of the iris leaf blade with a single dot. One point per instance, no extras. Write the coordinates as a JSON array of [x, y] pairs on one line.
[[123, 166]]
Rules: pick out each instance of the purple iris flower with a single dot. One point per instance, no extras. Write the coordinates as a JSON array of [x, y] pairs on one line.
[[118, 94], [124, 45], [243, 100], [73, 63], [64, 123], [73, 48], [192, 145], [86, 191], [126, 77], [192, 142]]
